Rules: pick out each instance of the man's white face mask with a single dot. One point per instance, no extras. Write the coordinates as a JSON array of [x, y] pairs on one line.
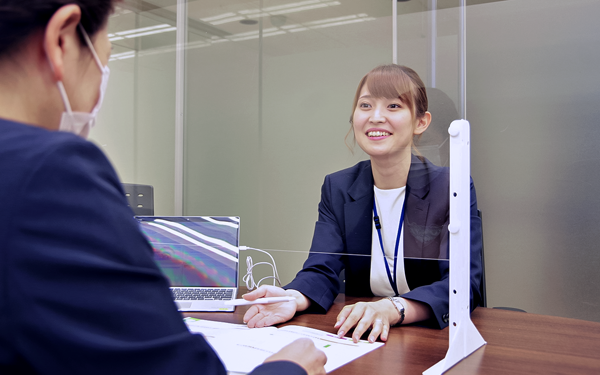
[[80, 123]]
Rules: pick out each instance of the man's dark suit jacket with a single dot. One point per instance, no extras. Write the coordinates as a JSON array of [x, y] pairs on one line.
[[79, 290], [345, 227]]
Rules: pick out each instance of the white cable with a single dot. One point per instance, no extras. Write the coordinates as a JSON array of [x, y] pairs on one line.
[[249, 278]]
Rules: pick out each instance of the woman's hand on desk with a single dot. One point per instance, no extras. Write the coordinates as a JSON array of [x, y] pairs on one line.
[[378, 316], [274, 313]]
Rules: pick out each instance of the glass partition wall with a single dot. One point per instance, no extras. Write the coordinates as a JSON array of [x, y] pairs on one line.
[[135, 126], [267, 89]]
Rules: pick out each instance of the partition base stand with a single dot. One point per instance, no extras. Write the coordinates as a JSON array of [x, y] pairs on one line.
[[464, 336], [466, 340]]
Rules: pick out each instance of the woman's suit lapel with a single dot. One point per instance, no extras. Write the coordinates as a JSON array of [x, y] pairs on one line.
[[358, 213]]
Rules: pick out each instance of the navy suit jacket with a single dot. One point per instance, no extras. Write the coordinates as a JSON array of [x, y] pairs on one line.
[[345, 227], [80, 292]]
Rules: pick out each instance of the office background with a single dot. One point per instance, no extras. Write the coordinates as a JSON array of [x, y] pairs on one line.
[[266, 107]]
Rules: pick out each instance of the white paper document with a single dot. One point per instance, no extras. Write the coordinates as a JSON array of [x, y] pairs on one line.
[[242, 349]]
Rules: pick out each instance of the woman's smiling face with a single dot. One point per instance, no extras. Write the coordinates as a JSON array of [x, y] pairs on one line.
[[384, 127]]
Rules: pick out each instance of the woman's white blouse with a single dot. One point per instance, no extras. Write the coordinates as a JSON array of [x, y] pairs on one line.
[[389, 208]]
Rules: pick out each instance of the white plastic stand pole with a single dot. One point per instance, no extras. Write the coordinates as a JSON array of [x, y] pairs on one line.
[[464, 336]]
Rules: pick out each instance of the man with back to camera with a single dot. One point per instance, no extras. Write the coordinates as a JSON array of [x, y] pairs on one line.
[[79, 290]]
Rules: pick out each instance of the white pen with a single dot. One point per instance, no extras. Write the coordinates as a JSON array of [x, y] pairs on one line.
[[259, 301]]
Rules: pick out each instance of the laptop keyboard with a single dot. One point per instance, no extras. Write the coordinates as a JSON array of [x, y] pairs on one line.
[[199, 294]]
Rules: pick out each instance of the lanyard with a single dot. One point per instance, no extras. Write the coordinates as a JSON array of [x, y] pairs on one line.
[[392, 279]]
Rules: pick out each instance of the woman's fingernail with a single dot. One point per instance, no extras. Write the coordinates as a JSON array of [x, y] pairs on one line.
[[341, 334]]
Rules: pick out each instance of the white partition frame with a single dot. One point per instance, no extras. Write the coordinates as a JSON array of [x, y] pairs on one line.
[[464, 336]]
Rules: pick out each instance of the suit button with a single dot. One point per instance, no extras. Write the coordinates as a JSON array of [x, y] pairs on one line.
[[445, 318]]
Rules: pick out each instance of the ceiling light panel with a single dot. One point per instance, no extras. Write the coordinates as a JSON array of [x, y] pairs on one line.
[[269, 11], [141, 30]]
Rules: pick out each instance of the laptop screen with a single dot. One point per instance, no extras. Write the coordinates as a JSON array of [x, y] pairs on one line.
[[195, 251]]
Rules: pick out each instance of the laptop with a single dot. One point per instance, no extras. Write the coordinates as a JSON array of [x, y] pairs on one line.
[[199, 255]]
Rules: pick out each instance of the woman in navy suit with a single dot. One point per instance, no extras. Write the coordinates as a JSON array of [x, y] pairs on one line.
[[384, 221]]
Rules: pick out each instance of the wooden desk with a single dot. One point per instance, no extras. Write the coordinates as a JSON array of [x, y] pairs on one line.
[[518, 343]]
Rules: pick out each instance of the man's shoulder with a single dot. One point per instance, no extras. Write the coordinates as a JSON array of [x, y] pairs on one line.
[[21, 143], [27, 150]]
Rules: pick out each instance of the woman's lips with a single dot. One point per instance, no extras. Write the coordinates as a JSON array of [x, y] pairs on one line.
[[377, 133]]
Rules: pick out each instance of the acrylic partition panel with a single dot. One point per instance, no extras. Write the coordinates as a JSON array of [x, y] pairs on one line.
[[135, 126], [531, 90], [267, 105], [533, 94], [268, 102]]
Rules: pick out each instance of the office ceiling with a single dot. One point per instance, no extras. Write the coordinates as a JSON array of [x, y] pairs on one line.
[[211, 21]]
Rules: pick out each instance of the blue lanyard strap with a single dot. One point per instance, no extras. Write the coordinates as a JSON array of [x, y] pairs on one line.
[[392, 279]]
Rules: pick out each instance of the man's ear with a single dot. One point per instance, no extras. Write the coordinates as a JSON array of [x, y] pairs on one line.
[[60, 36], [422, 123]]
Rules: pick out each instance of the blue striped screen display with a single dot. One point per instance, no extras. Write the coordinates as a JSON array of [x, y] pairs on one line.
[[196, 251]]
